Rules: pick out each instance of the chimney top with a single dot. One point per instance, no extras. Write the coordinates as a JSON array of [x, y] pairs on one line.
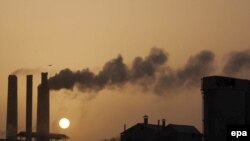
[[163, 122], [145, 117], [44, 77], [12, 76], [29, 75]]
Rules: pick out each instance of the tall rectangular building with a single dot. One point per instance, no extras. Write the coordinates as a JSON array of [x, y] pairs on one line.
[[225, 102]]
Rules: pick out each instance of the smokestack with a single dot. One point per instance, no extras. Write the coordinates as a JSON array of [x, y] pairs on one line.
[[11, 128], [158, 122], [29, 89], [163, 122], [145, 119], [43, 113]]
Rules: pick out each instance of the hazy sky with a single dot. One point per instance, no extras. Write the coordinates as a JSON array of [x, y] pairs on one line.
[[79, 34]]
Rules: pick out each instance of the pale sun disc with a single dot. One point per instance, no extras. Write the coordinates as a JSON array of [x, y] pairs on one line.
[[64, 123]]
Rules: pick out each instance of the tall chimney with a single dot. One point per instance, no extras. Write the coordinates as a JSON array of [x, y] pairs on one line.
[[163, 122], [145, 119], [11, 127], [43, 113], [158, 122], [29, 89]]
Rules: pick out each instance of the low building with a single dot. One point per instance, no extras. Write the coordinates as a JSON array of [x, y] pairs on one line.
[[156, 132], [174, 132]]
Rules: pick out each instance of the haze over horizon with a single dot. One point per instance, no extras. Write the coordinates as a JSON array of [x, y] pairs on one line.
[[93, 38]]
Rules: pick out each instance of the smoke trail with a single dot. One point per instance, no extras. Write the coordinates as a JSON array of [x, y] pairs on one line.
[[148, 67], [114, 73], [196, 67], [238, 62], [148, 72], [117, 73]]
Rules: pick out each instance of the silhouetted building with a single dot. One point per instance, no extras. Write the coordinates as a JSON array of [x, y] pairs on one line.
[[226, 101], [11, 126], [174, 132], [151, 132]]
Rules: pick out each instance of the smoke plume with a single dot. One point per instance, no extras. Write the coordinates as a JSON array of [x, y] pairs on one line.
[[143, 71], [238, 62], [114, 73], [151, 72], [196, 67]]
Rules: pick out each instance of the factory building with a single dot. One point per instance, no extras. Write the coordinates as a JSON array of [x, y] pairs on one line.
[[226, 101], [43, 112], [156, 132]]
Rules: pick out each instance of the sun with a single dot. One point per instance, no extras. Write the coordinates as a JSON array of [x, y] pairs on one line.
[[64, 123]]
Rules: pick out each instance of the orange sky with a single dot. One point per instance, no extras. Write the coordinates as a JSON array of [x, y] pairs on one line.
[[87, 33]]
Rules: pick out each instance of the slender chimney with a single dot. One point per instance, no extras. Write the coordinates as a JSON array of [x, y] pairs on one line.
[[29, 89], [145, 119], [163, 122], [158, 122], [11, 126], [43, 113]]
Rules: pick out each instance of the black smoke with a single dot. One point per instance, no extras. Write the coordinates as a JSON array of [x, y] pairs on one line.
[[196, 67], [67, 79], [189, 75], [148, 67], [146, 72], [114, 73], [237, 63]]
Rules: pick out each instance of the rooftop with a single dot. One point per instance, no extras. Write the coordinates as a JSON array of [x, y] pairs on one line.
[[183, 128]]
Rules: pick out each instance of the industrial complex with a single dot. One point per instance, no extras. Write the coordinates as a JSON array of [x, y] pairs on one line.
[[43, 112], [226, 101]]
